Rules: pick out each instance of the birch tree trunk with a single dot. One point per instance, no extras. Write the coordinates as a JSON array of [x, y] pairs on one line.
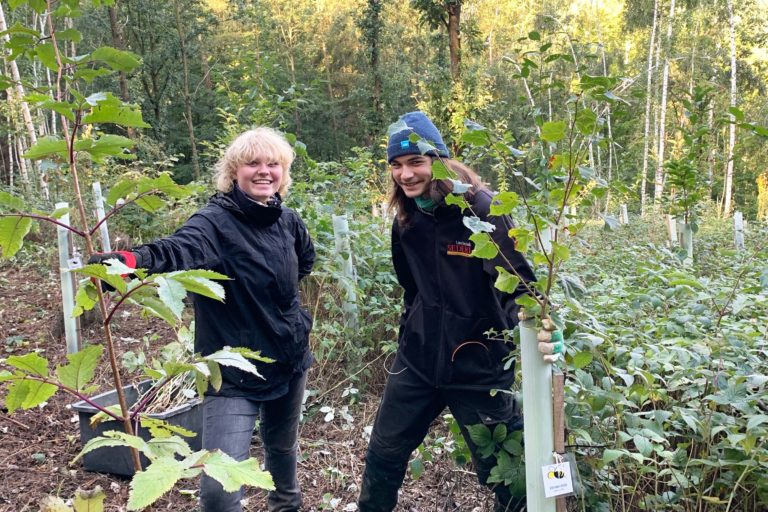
[[659, 178], [185, 91], [648, 97], [728, 192], [18, 94]]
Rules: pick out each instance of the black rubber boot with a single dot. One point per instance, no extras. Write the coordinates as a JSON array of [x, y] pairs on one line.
[[381, 481]]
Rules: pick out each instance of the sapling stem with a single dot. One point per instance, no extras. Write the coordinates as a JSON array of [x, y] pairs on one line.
[[72, 160]]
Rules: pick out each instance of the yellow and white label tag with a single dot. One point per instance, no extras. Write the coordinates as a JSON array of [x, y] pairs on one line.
[[557, 479]]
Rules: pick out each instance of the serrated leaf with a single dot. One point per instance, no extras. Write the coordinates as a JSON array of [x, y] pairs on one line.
[[476, 225], [105, 146], [506, 281], [25, 394], [12, 232], [513, 446], [215, 379], [561, 251], [103, 417], [149, 485], [113, 438], [164, 184], [104, 273], [397, 127], [232, 474], [193, 282], [229, 358], [251, 354], [150, 203], [553, 131], [80, 370], [31, 364], [47, 55], [154, 306], [582, 359], [485, 248], [480, 435], [85, 298], [504, 203], [47, 147], [172, 294], [499, 433], [112, 110], [116, 59], [120, 190]]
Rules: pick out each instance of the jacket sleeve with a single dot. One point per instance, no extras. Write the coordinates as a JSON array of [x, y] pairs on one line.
[[305, 250], [512, 260], [402, 269], [194, 245]]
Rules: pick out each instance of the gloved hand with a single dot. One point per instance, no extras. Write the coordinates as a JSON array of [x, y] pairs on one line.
[[126, 257], [550, 339]]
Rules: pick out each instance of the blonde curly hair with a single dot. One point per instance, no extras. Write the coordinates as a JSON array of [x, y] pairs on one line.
[[259, 143]]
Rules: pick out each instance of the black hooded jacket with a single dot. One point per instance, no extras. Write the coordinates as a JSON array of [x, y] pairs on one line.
[[450, 298], [265, 250]]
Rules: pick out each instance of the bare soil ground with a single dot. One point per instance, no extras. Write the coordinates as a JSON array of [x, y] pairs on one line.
[[36, 446]]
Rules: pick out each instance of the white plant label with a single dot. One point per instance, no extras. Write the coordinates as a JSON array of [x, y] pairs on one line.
[[557, 479]]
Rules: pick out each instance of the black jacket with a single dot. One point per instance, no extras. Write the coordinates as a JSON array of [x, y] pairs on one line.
[[450, 298], [265, 250]]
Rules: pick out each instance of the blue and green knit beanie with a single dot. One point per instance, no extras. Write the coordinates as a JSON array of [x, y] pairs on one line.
[[418, 123]]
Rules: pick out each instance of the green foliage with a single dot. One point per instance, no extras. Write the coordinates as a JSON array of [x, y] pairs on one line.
[[507, 447]]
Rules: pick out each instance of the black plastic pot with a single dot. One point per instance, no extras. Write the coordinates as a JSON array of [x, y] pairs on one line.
[[118, 460]]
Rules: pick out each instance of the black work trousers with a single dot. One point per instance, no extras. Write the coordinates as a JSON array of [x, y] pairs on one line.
[[407, 409]]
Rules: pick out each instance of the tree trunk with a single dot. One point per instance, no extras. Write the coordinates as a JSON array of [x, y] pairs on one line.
[[659, 178], [118, 42], [454, 38], [728, 190], [648, 97], [185, 90], [18, 92]]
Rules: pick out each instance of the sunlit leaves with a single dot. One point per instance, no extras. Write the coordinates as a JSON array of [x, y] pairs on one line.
[[110, 110], [440, 171], [47, 147], [504, 203], [506, 281], [118, 60]]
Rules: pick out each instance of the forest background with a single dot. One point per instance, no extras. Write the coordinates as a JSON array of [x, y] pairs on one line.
[[666, 360]]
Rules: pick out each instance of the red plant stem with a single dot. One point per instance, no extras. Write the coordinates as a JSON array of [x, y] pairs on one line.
[[47, 219]]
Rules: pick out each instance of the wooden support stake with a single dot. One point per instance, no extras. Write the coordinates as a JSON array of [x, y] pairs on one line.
[[538, 432], [558, 413]]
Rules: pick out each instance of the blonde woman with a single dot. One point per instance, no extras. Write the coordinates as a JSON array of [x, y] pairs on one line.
[[247, 234]]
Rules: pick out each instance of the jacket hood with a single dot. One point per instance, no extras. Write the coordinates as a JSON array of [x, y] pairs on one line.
[[254, 212]]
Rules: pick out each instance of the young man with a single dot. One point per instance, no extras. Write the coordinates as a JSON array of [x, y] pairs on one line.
[[445, 358]]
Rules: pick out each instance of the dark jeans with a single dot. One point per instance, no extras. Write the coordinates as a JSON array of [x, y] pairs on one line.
[[228, 426], [407, 409]]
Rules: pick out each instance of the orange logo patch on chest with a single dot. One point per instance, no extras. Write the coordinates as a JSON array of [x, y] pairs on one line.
[[460, 249]]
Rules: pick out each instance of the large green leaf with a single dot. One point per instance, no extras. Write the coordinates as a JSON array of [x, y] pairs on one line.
[[114, 438], [31, 364], [118, 60], [165, 184], [553, 131], [485, 248], [115, 146], [12, 232], [200, 282], [227, 357], [172, 294], [169, 446], [504, 203], [85, 298], [82, 365], [47, 147], [586, 121], [112, 110], [12, 202], [232, 474], [506, 281], [25, 394], [154, 306], [149, 485], [103, 272]]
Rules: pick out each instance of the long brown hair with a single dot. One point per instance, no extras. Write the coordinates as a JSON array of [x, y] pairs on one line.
[[438, 189]]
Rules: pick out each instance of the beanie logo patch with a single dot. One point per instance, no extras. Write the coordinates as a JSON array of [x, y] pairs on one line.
[[460, 248], [405, 144]]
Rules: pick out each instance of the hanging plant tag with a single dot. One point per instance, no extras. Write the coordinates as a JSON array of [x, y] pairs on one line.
[[558, 479]]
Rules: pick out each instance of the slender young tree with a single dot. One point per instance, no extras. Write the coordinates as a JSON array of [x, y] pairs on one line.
[[185, 89], [648, 99], [659, 177], [728, 190]]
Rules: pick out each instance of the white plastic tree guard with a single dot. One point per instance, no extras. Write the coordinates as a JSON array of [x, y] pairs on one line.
[[538, 420], [624, 215], [349, 281], [672, 231], [738, 230], [67, 286], [106, 246]]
